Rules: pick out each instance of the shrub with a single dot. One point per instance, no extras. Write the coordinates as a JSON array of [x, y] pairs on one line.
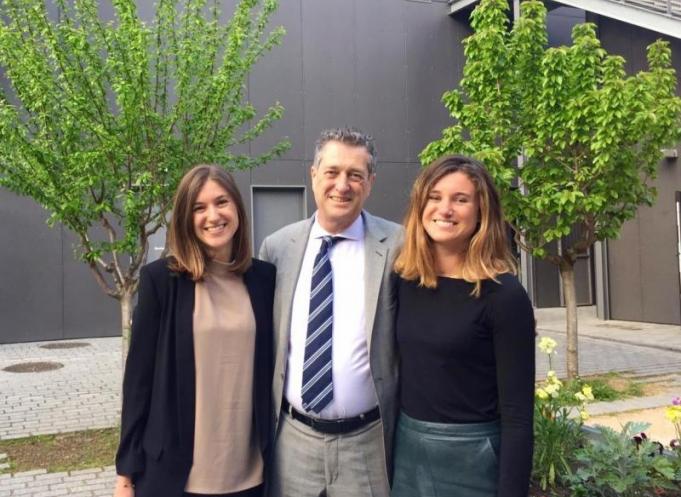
[[621, 464]]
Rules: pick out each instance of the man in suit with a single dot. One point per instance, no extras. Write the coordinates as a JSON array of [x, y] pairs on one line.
[[335, 376]]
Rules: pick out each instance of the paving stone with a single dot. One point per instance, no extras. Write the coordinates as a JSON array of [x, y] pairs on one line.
[[93, 482], [84, 394], [51, 493]]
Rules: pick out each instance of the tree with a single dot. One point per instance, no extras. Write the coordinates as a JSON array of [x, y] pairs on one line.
[[102, 119], [571, 141]]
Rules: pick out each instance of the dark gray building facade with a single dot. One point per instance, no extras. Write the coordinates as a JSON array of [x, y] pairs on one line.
[[382, 66], [643, 265]]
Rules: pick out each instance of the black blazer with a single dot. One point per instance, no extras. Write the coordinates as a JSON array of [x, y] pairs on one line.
[[159, 385]]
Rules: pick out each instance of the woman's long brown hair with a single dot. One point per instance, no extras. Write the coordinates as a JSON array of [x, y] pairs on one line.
[[488, 253]]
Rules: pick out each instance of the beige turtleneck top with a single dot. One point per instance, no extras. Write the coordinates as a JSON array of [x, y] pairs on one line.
[[226, 453]]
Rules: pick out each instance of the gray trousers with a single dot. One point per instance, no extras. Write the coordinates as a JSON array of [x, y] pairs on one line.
[[307, 463]]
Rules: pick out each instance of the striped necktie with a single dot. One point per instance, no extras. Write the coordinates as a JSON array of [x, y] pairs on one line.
[[317, 390]]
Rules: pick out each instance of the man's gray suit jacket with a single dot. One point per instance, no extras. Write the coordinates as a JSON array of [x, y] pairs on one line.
[[285, 249]]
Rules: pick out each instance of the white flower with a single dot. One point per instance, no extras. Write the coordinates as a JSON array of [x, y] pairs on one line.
[[547, 345], [541, 393], [552, 389], [552, 379]]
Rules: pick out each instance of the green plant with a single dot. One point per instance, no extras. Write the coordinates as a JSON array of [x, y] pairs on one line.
[[572, 142], [673, 413], [601, 387], [616, 464], [557, 427], [100, 119], [556, 437], [62, 451]]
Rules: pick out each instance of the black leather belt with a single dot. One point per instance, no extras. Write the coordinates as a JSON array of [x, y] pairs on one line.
[[332, 426]]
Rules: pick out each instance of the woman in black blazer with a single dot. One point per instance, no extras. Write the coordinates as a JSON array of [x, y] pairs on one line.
[[196, 390]]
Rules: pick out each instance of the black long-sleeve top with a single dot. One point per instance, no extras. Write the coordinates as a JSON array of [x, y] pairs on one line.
[[468, 360]]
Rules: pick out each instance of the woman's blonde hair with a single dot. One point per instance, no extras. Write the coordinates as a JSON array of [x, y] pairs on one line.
[[488, 253], [186, 252]]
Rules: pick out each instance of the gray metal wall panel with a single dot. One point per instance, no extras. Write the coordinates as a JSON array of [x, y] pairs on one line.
[[624, 271], [391, 190], [282, 172], [643, 264], [546, 281], [583, 281], [659, 261], [243, 183], [88, 311], [329, 68], [278, 76], [30, 265], [285, 173], [274, 208], [559, 23], [434, 65], [380, 87]]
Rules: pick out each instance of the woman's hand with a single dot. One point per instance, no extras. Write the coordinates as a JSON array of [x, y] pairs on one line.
[[124, 487]]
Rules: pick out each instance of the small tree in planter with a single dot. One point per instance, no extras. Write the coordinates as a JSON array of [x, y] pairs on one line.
[[102, 119], [571, 141]]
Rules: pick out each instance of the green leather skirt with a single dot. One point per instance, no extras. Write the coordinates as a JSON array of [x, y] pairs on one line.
[[445, 459]]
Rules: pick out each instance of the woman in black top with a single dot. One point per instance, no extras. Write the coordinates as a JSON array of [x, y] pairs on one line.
[[196, 390], [465, 333]]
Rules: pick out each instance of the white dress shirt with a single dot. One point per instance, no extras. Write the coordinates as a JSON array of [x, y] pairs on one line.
[[353, 387]]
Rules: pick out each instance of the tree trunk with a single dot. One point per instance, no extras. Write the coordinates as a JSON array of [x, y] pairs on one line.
[[567, 277], [126, 309]]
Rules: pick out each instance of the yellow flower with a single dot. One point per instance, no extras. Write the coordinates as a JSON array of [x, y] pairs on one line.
[[588, 392], [584, 415], [552, 379], [673, 414], [541, 393], [547, 345], [580, 397], [552, 389]]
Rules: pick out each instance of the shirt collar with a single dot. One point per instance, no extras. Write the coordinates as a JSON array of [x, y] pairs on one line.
[[353, 232]]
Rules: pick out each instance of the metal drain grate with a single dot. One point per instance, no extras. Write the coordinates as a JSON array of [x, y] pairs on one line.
[[620, 326], [33, 367], [64, 345]]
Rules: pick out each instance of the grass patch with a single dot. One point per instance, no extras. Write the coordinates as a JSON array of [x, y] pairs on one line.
[[606, 388], [61, 452]]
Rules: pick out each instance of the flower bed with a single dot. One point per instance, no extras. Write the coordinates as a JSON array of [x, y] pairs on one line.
[[570, 459]]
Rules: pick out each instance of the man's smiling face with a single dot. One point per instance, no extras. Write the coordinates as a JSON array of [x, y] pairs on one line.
[[341, 183]]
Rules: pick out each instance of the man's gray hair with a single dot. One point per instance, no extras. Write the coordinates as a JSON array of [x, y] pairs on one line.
[[348, 136]]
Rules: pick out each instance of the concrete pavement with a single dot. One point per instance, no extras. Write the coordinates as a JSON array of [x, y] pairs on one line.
[[640, 349]]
